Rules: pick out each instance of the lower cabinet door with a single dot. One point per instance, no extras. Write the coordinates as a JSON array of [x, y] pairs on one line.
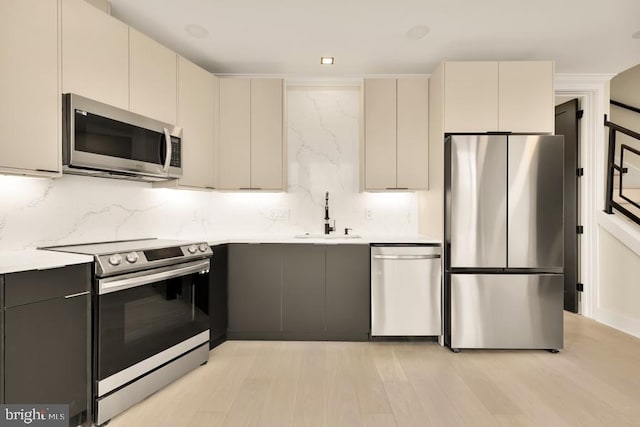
[[510, 311], [347, 292], [46, 350], [303, 293], [218, 310], [255, 294]]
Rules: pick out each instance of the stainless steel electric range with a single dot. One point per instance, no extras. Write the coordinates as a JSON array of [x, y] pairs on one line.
[[150, 317]]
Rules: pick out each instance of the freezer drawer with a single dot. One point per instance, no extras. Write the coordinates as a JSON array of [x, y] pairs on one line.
[[406, 291], [510, 311]]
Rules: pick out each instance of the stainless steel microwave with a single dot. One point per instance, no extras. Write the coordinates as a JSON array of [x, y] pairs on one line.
[[101, 140]]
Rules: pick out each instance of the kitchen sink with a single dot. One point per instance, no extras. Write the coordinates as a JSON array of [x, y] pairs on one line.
[[327, 236]]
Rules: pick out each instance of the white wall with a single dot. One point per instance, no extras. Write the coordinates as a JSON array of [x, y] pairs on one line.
[[618, 296], [323, 156]]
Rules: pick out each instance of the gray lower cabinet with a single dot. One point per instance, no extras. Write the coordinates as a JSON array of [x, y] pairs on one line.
[[348, 287], [298, 292], [46, 338], [303, 291], [218, 295], [255, 291]]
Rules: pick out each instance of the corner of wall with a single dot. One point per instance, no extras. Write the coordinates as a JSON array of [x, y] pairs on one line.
[[431, 202]]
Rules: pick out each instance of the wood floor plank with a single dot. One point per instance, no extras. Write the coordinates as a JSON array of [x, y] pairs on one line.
[[593, 381], [406, 406], [342, 399], [378, 420], [311, 397], [384, 357], [279, 407], [494, 399], [247, 407], [207, 419]]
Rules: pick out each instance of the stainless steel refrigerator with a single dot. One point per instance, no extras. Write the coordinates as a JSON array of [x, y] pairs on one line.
[[504, 241]]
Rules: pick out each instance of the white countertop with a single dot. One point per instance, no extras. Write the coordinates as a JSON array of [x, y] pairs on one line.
[[333, 240], [35, 259]]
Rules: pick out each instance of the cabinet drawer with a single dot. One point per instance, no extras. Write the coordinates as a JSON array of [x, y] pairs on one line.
[[39, 285]]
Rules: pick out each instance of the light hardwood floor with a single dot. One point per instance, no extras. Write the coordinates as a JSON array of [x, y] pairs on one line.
[[594, 381]]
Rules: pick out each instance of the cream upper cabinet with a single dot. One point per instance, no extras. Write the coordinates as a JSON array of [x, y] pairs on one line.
[[234, 162], [413, 133], [266, 134], [152, 78], [526, 97], [251, 142], [380, 133], [509, 96], [471, 96], [197, 96], [95, 54], [396, 133], [30, 101]]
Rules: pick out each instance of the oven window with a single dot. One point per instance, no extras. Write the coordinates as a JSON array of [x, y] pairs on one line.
[[165, 307], [137, 323], [108, 137]]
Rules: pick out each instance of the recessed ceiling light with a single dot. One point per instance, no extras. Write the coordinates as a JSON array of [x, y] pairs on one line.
[[636, 35], [327, 60], [196, 31], [418, 32]]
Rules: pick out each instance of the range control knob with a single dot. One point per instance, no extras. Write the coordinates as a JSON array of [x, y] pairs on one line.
[[115, 259], [132, 257], [192, 249], [203, 247]]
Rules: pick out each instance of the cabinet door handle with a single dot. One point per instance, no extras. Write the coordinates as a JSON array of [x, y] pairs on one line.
[[79, 294], [406, 257]]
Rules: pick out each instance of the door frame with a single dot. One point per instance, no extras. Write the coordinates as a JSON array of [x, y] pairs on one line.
[[592, 91]]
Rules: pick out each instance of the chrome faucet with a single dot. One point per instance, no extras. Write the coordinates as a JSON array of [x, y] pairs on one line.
[[328, 228]]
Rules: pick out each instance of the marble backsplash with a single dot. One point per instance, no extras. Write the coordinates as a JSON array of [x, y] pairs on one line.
[[323, 155]]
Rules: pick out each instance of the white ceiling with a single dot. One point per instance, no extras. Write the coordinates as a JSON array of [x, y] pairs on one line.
[[370, 36]]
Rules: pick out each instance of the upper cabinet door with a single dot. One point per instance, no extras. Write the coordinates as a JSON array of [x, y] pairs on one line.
[[234, 164], [196, 103], [266, 134], [380, 133], [471, 97], [95, 54], [153, 80], [30, 101], [526, 98], [413, 133]]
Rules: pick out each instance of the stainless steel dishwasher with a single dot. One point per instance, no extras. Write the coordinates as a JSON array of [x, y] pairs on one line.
[[406, 291]]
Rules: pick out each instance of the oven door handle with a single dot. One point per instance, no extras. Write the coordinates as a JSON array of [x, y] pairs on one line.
[[114, 284]]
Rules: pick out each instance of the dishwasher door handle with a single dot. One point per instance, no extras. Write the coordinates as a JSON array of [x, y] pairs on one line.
[[406, 257]]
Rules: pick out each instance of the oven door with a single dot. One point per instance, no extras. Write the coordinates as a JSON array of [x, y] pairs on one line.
[[148, 318]]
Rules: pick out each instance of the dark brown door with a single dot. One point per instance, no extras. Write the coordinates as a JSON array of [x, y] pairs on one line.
[[567, 125]]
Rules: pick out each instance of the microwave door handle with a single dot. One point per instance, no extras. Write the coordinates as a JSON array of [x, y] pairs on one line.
[[167, 159]]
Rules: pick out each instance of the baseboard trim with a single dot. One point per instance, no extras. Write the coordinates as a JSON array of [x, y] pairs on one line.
[[618, 321]]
